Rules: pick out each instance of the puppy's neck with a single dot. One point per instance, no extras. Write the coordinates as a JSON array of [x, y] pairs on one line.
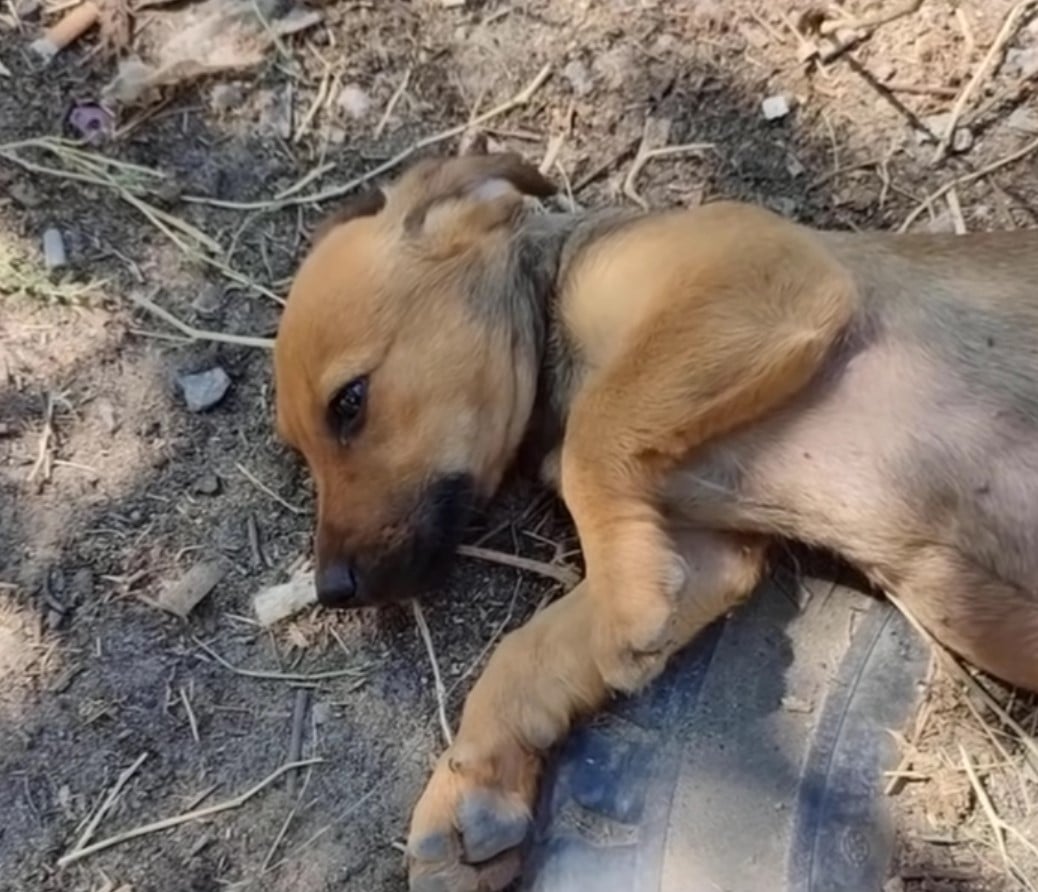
[[542, 254]]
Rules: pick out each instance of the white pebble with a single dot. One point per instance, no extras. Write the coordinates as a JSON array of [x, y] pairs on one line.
[[775, 107], [54, 256]]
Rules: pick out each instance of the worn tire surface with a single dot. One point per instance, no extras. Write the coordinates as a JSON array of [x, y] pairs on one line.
[[754, 764]]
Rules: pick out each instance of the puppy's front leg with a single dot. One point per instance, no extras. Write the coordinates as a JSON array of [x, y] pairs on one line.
[[476, 809], [735, 341]]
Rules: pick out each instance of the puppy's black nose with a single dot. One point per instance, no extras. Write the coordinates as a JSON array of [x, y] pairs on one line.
[[336, 584]]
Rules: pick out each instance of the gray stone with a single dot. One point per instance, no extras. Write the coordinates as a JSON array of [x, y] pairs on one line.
[[775, 107], [203, 390]]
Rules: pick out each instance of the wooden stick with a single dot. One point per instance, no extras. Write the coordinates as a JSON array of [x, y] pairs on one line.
[[176, 820], [271, 675]]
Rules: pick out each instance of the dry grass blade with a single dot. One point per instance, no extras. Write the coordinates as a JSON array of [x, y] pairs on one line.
[[562, 575], [985, 804], [109, 801], [184, 818], [1005, 34], [197, 334], [441, 692], [267, 491], [273, 675]]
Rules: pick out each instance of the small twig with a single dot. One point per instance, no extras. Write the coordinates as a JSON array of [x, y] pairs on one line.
[[966, 179], [266, 490], [42, 463], [197, 334], [1005, 34], [441, 694], [191, 720], [106, 805], [563, 575], [985, 803], [295, 742], [176, 820], [272, 675], [391, 105], [520, 99], [645, 154], [958, 221]]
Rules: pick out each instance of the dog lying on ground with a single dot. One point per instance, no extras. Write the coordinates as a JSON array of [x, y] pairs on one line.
[[695, 383]]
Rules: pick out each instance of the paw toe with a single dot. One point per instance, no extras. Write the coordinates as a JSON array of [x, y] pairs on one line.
[[490, 825]]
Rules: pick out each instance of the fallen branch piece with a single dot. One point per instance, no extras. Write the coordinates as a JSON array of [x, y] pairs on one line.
[[175, 821]]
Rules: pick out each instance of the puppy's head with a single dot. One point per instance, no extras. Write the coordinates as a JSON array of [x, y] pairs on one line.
[[401, 375]]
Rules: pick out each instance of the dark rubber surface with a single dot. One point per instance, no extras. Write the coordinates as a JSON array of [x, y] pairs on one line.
[[754, 764]]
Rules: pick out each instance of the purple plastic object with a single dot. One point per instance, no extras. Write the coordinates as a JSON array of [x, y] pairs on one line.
[[91, 121]]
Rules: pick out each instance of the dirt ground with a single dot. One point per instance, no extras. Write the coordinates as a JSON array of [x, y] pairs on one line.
[[110, 488]]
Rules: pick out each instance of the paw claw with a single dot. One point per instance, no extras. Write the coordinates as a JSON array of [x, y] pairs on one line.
[[490, 825]]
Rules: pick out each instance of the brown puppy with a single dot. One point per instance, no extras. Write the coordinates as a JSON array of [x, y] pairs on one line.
[[696, 382]]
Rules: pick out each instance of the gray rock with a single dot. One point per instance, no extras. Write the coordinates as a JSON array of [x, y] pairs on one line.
[[206, 485], [203, 390], [775, 107], [1024, 62]]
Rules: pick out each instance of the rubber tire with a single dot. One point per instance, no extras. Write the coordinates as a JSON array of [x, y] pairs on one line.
[[754, 764]]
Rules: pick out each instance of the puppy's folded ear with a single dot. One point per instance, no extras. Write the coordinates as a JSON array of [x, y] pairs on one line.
[[456, 202], [363, 204]]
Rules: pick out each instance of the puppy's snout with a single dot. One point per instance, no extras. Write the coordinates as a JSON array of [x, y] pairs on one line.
[[337, 584]]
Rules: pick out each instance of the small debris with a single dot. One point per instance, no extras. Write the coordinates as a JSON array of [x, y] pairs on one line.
[[73, 25], [184, 594], [25, 194], [91, 122], [1024, 119], [894, 884], [354, 101], [54, 256], [226, 97], [195, 40], [209, 301], [791, 703], [278, 602], [775, 107], [203, 390], [106, 415], [321, 713], [1023, 62], [206, 485], [579, 78], [276, 115]]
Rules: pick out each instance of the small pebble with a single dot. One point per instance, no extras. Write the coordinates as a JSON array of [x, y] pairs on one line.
[[354, 101], [962, 140], [203, 390], [54, 249], [775, 107], [579, 79], [206, 485], [209, 301], [106, 414]]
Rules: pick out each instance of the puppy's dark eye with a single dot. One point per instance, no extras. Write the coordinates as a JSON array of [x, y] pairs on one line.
[[346, 411]]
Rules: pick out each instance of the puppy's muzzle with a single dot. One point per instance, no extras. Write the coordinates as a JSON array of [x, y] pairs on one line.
[[425, 538]]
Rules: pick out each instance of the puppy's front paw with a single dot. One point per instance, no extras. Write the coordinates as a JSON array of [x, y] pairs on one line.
[[470, 821]]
